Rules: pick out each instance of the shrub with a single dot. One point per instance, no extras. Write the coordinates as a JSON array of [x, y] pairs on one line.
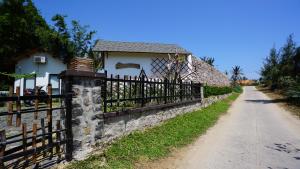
[[237, 89], [293, 94], [214, 90]]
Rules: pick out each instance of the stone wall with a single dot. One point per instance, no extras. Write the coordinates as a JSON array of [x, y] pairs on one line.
[[207, 74], [87, 117], [89, 126], [122, 125]]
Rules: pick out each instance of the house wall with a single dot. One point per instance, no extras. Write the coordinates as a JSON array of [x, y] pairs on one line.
[[27, 66], [144, 59]]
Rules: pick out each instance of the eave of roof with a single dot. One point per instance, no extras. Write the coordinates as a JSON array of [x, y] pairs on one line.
[[115, 46]]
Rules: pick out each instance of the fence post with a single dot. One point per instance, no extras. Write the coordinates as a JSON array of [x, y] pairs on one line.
[[18, 120], [180, 83], [118, 90], [34, 141], [165, 90], [58, 140], [2, 147], [49, 119], [24, 138], [10, 107], [143, 90], [36, 103]]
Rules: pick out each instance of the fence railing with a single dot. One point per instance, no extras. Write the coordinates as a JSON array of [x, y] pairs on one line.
[[126, 93], [31, 136]]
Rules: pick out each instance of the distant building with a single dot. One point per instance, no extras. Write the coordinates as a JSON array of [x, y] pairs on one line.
[[46, 69], [129, 58]]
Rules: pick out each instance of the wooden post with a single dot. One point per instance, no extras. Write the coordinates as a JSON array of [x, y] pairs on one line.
[[18, 120], [49, 119], [36, 104], [24, 138], [10, 107], [58, 139], [34, 132], [43, 135], [2, 147]]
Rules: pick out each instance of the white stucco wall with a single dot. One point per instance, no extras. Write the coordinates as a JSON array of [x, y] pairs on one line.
[[144, 59], [27, 66]]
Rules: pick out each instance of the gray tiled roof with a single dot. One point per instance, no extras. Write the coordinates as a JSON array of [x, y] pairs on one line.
[[115, 46]]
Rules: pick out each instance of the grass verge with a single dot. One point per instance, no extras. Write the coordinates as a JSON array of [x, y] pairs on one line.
[[157, 142]]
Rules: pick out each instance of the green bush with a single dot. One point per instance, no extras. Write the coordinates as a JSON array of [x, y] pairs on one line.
[[214, 90], [237, 89], [293, 94]]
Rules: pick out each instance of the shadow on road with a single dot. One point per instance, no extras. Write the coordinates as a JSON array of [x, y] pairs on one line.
[[267, 101]]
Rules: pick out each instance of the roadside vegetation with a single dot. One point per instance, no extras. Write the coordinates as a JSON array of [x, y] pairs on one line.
[[156, 142], [281, 71]]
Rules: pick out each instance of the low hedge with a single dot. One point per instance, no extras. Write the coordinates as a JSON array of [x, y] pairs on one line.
[[214, 90], [237, 89]]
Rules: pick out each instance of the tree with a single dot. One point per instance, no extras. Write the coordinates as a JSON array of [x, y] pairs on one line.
[[23, 31], [286, 57], [21, 28], [270, 71], [236, 74], [208, 60], [281, 69], [81, 39], [296, 63], [76, 40]]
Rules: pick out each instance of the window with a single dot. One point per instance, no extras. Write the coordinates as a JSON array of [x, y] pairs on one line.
[[29, 83], [55, 82]]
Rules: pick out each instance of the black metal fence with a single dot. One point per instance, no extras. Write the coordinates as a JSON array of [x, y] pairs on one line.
[[39, 140], [126, 93]]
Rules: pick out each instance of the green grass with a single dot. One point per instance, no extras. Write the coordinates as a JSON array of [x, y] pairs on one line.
[[157, 142]]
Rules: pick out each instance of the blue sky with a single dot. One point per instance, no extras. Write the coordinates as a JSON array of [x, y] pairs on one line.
[[234, 32]]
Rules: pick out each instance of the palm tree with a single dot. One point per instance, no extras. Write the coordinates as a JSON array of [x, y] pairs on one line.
[[237, 73], [208, 60]]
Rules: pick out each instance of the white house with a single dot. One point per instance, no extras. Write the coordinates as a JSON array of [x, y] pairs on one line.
[[129, 58], [46, 69], [118, 58]]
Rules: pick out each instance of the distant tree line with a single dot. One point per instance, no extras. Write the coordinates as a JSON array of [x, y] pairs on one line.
[[281, 69]]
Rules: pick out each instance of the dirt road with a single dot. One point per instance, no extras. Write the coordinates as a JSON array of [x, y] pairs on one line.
[[254, 134]]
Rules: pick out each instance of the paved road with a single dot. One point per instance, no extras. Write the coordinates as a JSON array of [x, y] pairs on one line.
[[255, 134]]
